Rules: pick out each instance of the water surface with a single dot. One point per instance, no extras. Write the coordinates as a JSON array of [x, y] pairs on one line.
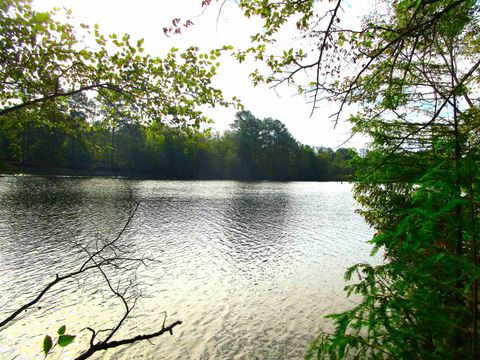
[[250, 268]]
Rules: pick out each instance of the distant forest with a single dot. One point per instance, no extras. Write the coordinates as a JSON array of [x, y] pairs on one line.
[[252, 149]]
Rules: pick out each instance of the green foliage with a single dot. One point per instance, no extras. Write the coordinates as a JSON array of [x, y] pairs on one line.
[[47, 344], [252, 149], [61, 330], [412, 69], [63, 340], [44, 62], [417, 187]]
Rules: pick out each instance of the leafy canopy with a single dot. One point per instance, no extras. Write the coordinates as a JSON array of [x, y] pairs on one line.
[[412, 69], [44, 61]]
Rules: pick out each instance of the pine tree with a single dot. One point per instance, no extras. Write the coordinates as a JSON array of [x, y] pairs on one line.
[[418, 188]]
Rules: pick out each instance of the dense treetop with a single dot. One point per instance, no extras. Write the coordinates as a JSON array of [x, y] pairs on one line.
[[412, 70], [44, 62], [253, 149]]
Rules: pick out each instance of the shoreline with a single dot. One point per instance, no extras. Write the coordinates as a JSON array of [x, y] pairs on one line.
[[9, 169]]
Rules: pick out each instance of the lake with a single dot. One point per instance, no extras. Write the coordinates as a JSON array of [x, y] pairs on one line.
[[250, 268]]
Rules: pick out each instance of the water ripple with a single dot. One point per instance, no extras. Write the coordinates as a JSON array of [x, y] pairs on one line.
[[251, 268]]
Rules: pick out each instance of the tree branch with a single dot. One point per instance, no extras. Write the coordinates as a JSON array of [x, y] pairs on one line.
[[113, 344]]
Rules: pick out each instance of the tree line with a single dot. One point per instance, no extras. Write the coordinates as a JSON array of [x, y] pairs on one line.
[[412, 69], [252, 149]]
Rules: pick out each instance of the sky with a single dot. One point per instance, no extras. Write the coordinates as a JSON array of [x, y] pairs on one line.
[[146, 19]]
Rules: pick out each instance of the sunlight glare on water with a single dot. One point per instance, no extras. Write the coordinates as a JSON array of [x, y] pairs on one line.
[[250, 268]]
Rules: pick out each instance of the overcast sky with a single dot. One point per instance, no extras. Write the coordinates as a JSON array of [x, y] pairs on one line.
[[146, 19]]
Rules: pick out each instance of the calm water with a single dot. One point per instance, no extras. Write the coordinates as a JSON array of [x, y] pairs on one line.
[[250, 268]]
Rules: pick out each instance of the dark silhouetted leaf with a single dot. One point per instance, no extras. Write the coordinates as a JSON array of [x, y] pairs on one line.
[[47, 344], [65, 340], [61, 331]]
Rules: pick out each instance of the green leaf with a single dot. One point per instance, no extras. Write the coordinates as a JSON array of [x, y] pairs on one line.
[[42, 17], [61, 331], [47, 344], [65, 340]]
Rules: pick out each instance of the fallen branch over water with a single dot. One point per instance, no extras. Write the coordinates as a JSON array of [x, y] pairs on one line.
[[113, 344]]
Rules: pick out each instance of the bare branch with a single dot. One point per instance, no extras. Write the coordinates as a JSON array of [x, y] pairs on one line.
[[113, 344]]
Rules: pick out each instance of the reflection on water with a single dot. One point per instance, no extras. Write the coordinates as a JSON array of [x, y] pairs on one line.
[[250, 268]]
